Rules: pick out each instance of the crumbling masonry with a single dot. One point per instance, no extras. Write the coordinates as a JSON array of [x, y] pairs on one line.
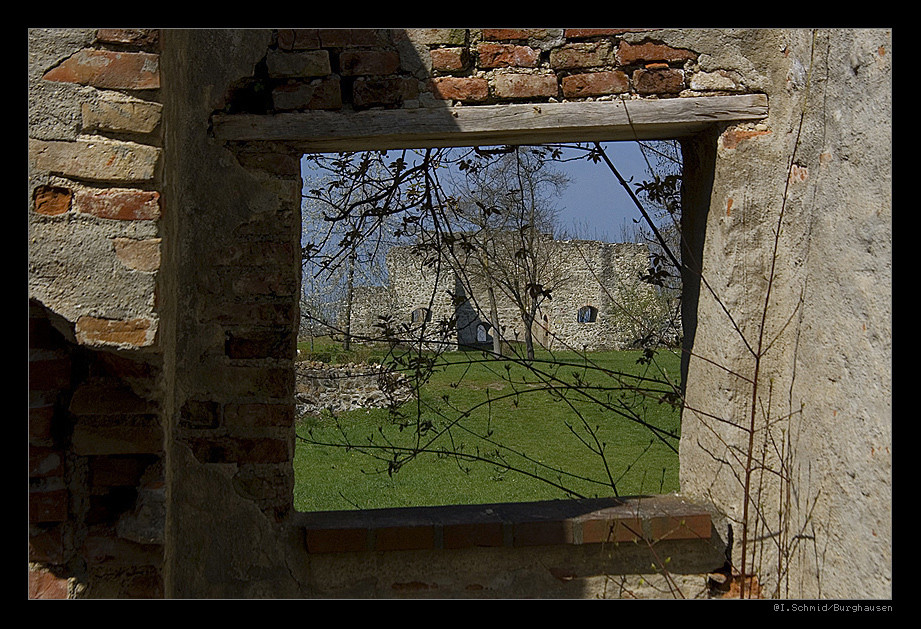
[[597, 300], [164, 274]]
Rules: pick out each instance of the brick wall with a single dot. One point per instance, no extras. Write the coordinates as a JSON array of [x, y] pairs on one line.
[[96, 499], [334, 69], [244, 279]]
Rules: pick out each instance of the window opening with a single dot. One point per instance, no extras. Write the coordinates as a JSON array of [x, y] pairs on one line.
[[476, 406], [587, 314], [421, 315]]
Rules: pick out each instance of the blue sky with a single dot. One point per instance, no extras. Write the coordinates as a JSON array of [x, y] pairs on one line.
[[595, 202], [595, 205]]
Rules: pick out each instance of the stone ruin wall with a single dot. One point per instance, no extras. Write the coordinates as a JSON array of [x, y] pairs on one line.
[[336, 388], [163, 290], [582, 273]]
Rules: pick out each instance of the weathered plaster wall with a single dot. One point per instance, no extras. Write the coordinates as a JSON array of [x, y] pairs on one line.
[[233, 258], [823, 157]]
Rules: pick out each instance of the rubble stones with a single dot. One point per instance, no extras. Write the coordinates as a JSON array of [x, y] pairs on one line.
[[338, 388]]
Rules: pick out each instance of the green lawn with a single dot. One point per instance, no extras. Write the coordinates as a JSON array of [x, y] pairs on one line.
[[485, 431]]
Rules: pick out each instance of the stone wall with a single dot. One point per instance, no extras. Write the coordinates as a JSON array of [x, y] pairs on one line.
[[364, 68], [336, 388], [603, 276]]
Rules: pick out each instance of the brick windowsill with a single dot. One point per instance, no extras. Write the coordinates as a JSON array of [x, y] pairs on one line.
[[558, 522]]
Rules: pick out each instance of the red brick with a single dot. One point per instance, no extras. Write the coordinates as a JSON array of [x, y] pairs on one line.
[[386, 91], [107, 506], [95, 159], [628, 53], [432, 36], [109, 70], [52, 200], [552, 532], [582, 55], [318, 94], [197, 414], [45, 585], [51, 374], [109, 397], [117, 471], [336, 540], [239, 450], [94, 331], [121, 115], [405, 538], [462, 89], [342, 37], [132, 36], [312, 63], [48, 505], [496, 34], [265, 382], [327, 95], [110, 365], [89, 439], [46, 544], [732, 137], [368, 62], [256, 414], [470, 535], [41, 420], [507, 55], [526, 85], [140, 255], [123, 204], [597, 32], [695, 526], [449, 59], [45, 462], [663, 81], [298, 38], [605, 530], [595, 84]]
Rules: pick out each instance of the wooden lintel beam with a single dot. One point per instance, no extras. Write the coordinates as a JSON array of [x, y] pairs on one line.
[[491, 124]]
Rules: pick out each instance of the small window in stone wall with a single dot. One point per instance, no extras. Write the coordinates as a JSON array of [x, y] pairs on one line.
[[482, 333], [421, 314], [587, 314]]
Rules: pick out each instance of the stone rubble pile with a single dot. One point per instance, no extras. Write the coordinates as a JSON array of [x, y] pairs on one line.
[[347, 387]]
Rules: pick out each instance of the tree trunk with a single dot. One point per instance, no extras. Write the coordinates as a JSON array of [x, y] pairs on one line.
[[347, 345], [528, 319], [494, 322]]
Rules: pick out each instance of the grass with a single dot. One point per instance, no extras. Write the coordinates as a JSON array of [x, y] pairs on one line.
[[483, 430]]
